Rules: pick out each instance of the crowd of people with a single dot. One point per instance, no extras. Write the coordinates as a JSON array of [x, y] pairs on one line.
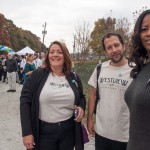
[[16, 69], [52, 102]]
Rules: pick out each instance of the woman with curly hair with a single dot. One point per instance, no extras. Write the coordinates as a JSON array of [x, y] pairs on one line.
[[137, 95]]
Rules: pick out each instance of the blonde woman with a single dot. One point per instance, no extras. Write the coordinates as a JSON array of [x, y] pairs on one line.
[[29, 67]]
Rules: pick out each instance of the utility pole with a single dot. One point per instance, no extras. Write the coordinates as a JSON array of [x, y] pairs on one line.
[[44, 32]]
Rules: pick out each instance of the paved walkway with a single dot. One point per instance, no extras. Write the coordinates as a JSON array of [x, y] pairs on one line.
[[10, 130]]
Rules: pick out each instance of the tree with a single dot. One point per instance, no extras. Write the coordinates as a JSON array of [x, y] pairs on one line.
[[138, 12], [4, 36], [102, 26], [123, 28], [17, 38], [81, 40]]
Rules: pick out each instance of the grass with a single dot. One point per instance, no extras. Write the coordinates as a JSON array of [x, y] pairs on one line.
[[84, 70]]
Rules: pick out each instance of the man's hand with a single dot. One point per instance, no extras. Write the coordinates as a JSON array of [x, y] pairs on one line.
[[90, 127], [91, 104]]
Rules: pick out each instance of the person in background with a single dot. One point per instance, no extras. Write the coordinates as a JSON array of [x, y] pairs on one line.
[[137, 95], [22, 66], [42, 58], [48, 101], [112, 114], [4, 60], [1, 68], [11, 73], [26, 56], [23, 62], [18, 60], [29, 66], [37, 61]]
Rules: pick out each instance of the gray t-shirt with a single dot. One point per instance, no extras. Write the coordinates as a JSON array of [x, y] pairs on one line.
[[56, 100]]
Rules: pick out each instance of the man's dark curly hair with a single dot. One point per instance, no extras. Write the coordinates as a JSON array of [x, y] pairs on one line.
[[137, 51]]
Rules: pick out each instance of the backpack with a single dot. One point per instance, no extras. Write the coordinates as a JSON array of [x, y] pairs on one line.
[[98, 67]]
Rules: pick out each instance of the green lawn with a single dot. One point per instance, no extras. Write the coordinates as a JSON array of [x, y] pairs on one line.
[[84, 70]]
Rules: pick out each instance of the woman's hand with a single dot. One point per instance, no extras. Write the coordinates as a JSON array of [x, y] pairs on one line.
[[28, 73], [80, 114], [28, 141]]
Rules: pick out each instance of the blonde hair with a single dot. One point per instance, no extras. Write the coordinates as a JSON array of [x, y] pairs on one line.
[[29, 56]]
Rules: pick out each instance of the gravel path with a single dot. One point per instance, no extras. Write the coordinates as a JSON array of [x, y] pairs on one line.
[[10, 130]]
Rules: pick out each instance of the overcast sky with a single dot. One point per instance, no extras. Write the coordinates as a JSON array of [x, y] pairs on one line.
[[63, 16]]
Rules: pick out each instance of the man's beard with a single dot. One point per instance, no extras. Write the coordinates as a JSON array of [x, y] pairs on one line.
[[117, 61]]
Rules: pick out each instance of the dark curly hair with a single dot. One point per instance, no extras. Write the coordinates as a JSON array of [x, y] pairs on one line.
[[137, 51], [110, 34]]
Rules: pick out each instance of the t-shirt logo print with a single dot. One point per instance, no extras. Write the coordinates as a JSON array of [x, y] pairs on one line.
[[59, 85], [120, 74]]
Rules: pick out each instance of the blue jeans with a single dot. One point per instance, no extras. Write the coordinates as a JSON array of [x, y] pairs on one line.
[[57, 136]]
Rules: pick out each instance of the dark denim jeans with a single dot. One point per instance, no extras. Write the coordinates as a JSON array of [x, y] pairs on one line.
[[57, 136], [102, 143]]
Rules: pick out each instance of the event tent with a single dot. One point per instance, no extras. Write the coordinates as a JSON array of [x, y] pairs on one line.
[[6, 49], [25, 50]]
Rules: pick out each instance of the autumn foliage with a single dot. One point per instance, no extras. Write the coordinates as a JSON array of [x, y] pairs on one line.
[[17, 38]]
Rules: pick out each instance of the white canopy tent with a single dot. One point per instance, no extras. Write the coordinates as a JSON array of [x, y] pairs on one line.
[[25, 50]]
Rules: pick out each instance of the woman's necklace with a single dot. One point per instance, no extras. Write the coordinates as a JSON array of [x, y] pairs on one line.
[[59, 77]]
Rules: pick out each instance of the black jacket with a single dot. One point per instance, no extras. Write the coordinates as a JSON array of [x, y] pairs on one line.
[[29, 105], [11, 65]]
